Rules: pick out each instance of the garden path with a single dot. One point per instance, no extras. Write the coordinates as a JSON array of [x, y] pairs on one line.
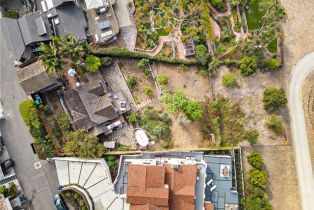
[[158, 48]]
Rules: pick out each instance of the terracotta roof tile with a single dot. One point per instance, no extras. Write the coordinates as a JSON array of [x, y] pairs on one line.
[[146, 187]]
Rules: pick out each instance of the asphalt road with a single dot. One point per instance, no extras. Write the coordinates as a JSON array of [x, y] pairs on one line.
[[299, 133], [37, 186]]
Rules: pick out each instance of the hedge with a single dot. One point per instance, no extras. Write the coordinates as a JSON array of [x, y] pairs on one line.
[[125, 53]]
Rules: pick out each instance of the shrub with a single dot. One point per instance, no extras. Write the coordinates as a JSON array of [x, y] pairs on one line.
[[252, 136], [131, 81], [132, 117], [202, 55], [151, 123], [106, 61], [274, 123], [92, 63], [63, 121], [11, 13], [255, 159], [29, 114], [257, 178], [229, 80], [219, 5], [166, 119], [179, 101], [143, 65], [274, 99], [148, 91], [183, 68], [273, 64], [162, 79], [248, 65]]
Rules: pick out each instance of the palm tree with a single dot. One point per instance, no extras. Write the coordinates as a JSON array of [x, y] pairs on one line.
[[71, 46], [51, 57]]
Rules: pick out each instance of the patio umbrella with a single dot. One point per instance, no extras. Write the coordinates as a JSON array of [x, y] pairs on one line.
[[71, 72], [141, 138]]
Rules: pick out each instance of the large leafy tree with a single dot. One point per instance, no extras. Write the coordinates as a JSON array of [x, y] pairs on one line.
[[80, 144]]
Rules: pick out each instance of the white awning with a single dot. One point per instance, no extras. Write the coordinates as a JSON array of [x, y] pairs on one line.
[[141, 138], [93, 4]]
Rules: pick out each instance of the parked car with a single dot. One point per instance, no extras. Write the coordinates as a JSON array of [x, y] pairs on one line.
[[6, 165], [1, 111], [59, 203]]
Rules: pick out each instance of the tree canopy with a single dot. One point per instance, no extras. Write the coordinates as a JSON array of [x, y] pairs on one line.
[[92, 63]]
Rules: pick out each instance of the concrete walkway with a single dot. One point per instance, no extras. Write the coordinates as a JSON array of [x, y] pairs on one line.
[[299, 133]]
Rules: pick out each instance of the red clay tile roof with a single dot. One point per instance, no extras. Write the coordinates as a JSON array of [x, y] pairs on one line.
[[146, 187], [209, 206]]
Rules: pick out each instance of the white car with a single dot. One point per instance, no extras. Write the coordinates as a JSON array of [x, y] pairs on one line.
[[1, 112]]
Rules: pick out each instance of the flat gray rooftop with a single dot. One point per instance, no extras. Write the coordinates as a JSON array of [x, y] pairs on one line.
[[224, 193]]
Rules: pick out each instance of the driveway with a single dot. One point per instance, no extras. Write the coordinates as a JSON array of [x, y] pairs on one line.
[[299, 133], [36, 185]]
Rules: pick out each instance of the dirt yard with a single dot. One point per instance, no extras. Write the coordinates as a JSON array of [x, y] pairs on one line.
[[190, 82], [129, 67], [249, 93], [282, 187]]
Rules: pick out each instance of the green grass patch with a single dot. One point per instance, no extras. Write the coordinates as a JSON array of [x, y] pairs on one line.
[[253, 15], [272, 47], [162, 32]]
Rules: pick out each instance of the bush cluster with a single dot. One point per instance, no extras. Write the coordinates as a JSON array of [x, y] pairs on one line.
[[256, 196], [162, 79], [179, 101], [131, 81], [229, 80], [274, 123], [274, 99], [248, 65], [42, 142], [155, 125]]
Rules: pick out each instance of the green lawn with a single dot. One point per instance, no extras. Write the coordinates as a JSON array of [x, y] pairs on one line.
[[162, 32], [272, 47], [253, 15]]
